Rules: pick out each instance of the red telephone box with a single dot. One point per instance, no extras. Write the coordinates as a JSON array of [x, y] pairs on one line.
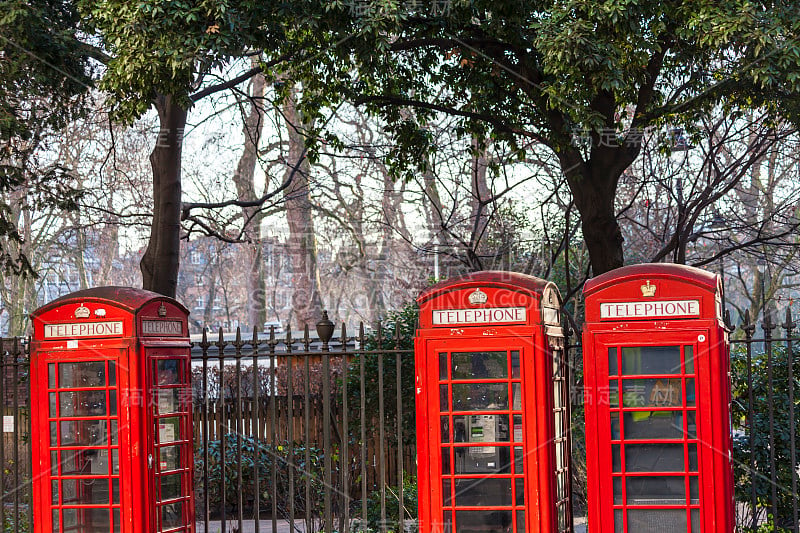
[[493, 417], [111, 403], [658, 433]]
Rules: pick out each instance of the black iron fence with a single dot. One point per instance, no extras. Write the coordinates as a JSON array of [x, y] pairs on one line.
[[312, 433], [315, 432], [765, 412]]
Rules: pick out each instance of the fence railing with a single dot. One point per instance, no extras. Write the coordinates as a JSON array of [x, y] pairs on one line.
[[313, 432], [316, 432], [16, 512], [765, 410]]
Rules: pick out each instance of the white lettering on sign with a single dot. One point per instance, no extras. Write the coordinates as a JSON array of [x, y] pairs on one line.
[[162, 327], [488, 315], [83, 329], [650, 309]]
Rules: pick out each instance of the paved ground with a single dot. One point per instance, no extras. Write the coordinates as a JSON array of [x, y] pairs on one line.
[[265, 526]]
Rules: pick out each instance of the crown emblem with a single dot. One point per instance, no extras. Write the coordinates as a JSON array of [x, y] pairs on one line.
[[478, 297], [648, 290], [162, 310], [82, 312]]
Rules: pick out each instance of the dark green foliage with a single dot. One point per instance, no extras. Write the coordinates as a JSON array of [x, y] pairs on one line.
[[45, 76], [267, 458], [578, 434], [529, 76], [169, 47], [533, 71], [9, 525], [766, 396], [392, 522], [397, 333], [45, 72]]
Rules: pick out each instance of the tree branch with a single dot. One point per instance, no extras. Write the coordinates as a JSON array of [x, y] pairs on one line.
[[238, 79], [499, 125]]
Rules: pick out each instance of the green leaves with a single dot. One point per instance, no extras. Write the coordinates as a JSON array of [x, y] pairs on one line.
[[167, 47], [511, 63], [45, 77], [762, 390]]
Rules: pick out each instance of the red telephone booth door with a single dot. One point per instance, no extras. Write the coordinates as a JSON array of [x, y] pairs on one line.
[[170, 457], [651, 427], [84, 419], [478, 481]]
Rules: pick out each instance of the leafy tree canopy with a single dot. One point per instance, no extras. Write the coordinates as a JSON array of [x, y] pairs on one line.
[[45, 75], [173, 47], [536, 72]]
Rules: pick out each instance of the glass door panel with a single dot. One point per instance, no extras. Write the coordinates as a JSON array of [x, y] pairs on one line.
[[84, 453], [171, 402], [481, 436], [653, 438]]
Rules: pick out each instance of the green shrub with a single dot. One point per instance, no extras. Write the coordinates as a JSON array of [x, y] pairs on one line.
[[760, 427], [393, 507], [268, 458]]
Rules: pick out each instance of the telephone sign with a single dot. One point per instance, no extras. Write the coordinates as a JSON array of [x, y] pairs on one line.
[[493, 418], [657, 402], [111, 396]]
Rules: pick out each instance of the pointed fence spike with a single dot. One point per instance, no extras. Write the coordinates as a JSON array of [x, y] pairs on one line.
[[238, 335], [397, 337], [344, 336], [747, 326], [254, 342], [306, 337], [788, 324]]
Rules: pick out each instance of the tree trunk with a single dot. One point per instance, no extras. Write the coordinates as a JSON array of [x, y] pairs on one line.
[[246, 191], [161, 260], [390, 207], [208, 310], [80, 254], [306, 300], [434, 215], [479, 218], [594, 187], [109, 242]]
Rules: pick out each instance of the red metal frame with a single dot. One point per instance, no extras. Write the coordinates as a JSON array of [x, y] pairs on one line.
[[98, 408], [463, 447], [663, 403]]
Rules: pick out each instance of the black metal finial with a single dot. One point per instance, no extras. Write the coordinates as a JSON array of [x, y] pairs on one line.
[[325, 330]]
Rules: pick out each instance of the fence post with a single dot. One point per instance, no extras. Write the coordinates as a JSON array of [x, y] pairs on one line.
[[788, 326], [254, 429], [768, 326], [222, 432], [325, 332], [345, 440], [748, 328]]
